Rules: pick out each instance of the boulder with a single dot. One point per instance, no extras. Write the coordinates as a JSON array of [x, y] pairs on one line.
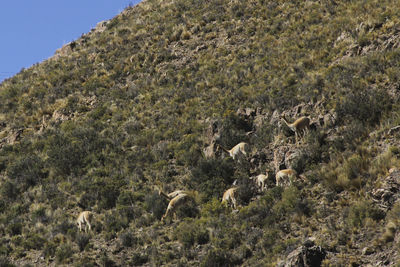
[[292, 158], [308, 255], [388, 193], [279, 158]]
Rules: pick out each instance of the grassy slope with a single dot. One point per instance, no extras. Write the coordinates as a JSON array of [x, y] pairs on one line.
[[125, 109]]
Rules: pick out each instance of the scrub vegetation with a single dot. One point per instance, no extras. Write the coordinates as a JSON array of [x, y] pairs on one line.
[[137, 102]]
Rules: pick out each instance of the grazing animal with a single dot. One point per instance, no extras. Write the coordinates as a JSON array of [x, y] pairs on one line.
[[261, 180], [175, 203], [299, 127], [241, 148], [84, 218], [230, 196], [171, 195], [285, 177]]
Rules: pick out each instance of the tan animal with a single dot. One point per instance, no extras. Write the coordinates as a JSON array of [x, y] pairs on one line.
[[175, 203], [230, 197], [261, 180], [171, 195], [299, 127], [85, 218], [285, 177], [240, 149]]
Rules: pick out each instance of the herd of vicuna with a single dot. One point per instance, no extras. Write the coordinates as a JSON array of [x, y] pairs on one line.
[[179, 197]]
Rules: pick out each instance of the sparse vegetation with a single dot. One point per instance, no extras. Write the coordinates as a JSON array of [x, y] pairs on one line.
[[119, 111]]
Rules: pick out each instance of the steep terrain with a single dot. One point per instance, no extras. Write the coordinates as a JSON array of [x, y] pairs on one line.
[[145, 102]]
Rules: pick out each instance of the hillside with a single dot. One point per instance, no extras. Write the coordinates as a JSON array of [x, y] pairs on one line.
[[147, 100]]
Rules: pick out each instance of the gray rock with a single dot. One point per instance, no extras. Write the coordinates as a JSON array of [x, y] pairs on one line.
[[304, 257]]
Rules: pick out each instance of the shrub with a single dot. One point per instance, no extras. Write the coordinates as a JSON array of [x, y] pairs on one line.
[[82, 240], [191, 232], [291, 202], [246, 190], [87, 200], [189, 209], [63, 226], [114, 222], [127, 239], [26, 171], [366, 106], [218, 258], [34, 241], [49, 249], [63, 253], [384, 162], [5, 262], [390, 232], [14, 228], [66, 156], [105, 261], [9, 190], [255, 213], [86, 262], [211, 176], [156, 205], [360, 211], [139, 259], [39, 215], [234, 130], [212, 208]]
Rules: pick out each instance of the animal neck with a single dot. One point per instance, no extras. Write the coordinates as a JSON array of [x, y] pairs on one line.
[[162, 193], [287, 123], [224, 149]]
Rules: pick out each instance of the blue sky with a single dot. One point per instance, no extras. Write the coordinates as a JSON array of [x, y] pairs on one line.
[[33, 30]]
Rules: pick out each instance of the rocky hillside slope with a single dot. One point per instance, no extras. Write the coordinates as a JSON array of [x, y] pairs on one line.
[[146, 102]]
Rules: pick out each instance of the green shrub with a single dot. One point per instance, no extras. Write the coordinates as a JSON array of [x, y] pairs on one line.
[[85, 261], [63, 226], [82, 240], [212, 208], [26, 171], [9, 190], [218, 258], [246, 190], [34, 241], [66, 156], [291, 201], [190, 209], [156, 205], [87, 200], [255, 213], [234, 130], [49, 249], [14, 227], [127, 239], [5, 262], [64, 253], [360, 211], [39, 215], [114, 222], [346, 174], [211, 176], [139, 259], [105, 261], [366, 105], [191, 232]]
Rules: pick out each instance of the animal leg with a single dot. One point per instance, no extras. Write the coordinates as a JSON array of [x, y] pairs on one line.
[[234, 203]]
